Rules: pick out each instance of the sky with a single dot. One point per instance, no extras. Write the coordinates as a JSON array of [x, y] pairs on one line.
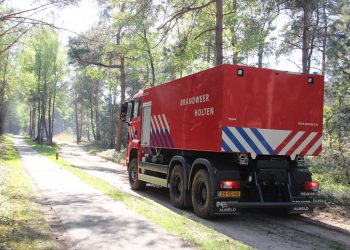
[[77, 18]]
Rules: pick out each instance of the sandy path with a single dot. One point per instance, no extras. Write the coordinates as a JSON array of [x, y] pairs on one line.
[[92, 220]]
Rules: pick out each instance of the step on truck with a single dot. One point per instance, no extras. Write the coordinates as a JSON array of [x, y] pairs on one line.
[[228, 138]]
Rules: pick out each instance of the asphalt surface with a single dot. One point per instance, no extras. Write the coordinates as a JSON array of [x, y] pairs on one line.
[[90, 218], [259, 229]]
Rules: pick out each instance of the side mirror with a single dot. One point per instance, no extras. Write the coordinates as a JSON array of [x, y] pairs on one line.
[[123, 112]]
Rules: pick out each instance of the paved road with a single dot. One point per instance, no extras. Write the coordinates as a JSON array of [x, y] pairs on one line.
[[92, 220], [255, 228]]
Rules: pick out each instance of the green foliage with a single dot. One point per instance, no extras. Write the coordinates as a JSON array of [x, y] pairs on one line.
[[337, 116]]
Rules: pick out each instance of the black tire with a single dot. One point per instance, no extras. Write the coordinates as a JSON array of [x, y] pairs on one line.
[[178, 192], [202, 199], [134, 182]]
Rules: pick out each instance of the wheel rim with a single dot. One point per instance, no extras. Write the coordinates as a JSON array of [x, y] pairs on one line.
[[201, 194], [177, 184], [133, 174]]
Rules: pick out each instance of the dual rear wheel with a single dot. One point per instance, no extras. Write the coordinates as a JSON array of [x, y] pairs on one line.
[[200, 195], [200, 192]]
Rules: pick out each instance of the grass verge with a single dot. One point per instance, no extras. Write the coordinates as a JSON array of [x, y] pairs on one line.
[[21, 224], [191, 231]]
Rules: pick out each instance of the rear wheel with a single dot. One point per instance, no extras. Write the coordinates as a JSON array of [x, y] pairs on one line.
[[202, 198], [134, 182], [178, 192]]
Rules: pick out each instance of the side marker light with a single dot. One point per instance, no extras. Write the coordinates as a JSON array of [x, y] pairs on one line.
[[240, 72], [310, 80]]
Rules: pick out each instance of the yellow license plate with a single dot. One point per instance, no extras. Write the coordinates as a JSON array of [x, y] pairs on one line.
[[229, 193]]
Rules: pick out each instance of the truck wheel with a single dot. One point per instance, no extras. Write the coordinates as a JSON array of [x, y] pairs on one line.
[[134, 182], [202, 198], [178, 192]]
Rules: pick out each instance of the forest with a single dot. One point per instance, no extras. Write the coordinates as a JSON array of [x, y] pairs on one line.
[[47, 87]]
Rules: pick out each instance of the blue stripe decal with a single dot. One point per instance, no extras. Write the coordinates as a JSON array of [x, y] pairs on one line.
[[234, 139], [225, 146], [169, 137], [151, 137], [249, 140], [164, 138], [263, 141], [160, 138], [156, 139]]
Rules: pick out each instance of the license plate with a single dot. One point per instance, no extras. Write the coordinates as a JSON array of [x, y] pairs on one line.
[[303, 209], [229, 194]]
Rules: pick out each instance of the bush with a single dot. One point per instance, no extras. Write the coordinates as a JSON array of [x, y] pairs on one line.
[[112, 155], [334, 187]]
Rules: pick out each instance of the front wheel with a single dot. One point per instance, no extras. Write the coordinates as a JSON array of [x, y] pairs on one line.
[[202, 198], [134, 182]]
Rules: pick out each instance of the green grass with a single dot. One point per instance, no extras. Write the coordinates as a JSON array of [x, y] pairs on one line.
[[21, 224], [193, 232]]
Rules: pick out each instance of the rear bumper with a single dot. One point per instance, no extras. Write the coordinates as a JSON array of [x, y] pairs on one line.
[[233, 207], [274, 204]]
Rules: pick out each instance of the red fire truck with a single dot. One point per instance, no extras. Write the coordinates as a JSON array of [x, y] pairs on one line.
[[228, 138]]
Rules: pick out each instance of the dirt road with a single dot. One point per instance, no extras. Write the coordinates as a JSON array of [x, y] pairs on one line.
[[255, 228], [92, 219]]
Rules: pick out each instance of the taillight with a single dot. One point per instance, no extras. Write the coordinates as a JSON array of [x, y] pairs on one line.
[[312, 186], [229, 185]]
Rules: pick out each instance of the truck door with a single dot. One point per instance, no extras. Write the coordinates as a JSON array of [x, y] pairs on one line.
[[146, 123]]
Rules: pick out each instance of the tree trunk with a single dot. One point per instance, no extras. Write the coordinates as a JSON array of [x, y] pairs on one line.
[[260, 56], [76, 121], [218, 33], [97, 112], [81, 123], [98, 125], [150, 56], [306, 37], [118, 133], [39, 137], [30, 120], [324, 39], [49, 136], [119, 128], [207, 43], [53, 109], [92, 121], [2, 97], [234, 39], [87, 125]]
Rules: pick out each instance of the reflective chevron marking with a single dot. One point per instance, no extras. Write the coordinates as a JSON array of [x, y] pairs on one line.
[[160, 132], [270, 142], [131, 133]]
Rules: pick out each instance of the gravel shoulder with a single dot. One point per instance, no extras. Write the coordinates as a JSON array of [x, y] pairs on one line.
[[259, 229], [91, 219]]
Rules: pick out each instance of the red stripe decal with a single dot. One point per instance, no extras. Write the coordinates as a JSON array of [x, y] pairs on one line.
[[297, 143], [311, 143], [285, 142], [318, 151]]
